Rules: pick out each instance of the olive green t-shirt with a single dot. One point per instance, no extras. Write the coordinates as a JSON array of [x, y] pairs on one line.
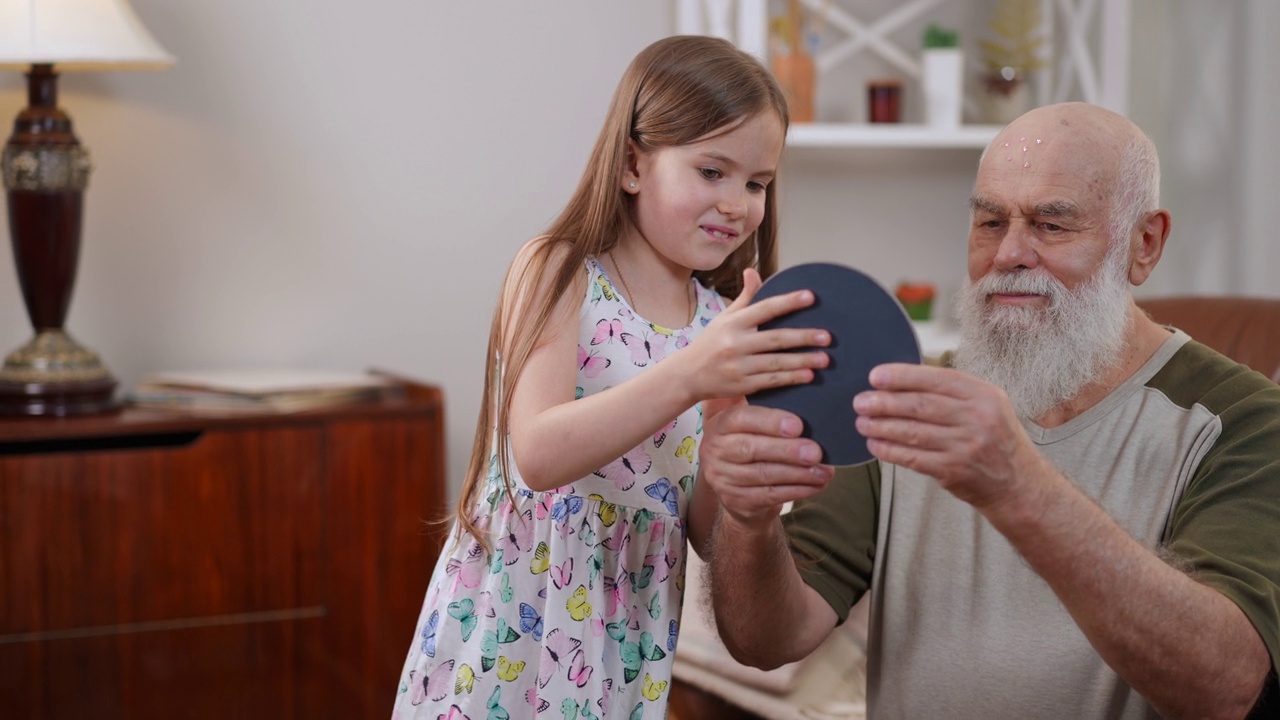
[[1185, 456]]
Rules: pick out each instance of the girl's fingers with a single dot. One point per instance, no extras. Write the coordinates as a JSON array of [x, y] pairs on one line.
[[750, 286], [787, 339]]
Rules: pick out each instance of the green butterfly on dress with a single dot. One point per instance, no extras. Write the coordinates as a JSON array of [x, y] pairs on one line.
[[464, 612], [496, 711], [489, 644], [641, 581], [506, 591], [634, 655], [570, 709], [642, 519]]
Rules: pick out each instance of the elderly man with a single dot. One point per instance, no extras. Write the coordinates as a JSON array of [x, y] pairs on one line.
[[1079, 518]]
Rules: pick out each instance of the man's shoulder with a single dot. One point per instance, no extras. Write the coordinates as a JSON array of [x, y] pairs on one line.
[[1199, 375]]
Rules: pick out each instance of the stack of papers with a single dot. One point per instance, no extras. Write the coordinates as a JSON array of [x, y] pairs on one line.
[[279, 390]]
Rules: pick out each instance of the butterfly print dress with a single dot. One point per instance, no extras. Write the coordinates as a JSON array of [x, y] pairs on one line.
[[575, 613]]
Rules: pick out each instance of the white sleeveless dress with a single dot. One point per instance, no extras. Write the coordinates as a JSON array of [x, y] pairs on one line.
[[577, 611]]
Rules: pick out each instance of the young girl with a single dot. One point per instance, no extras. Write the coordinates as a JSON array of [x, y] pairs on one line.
[[561, 590]]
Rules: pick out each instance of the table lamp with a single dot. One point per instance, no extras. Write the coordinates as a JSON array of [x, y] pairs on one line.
[[45, 172]]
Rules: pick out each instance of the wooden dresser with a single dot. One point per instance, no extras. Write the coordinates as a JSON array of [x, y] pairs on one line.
[[157, 565]]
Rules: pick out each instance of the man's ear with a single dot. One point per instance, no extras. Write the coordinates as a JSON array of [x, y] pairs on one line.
[[632, 168], [1151, 239]]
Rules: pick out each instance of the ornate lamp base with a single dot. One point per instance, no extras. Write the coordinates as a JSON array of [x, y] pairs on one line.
[[53, 375]]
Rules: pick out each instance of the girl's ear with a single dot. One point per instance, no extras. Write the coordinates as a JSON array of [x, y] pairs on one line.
[[631, 169]]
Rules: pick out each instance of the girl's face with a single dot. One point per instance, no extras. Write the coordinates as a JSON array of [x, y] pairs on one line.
[[695, 204]]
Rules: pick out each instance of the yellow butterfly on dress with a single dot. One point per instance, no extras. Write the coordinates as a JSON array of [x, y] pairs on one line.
[[466, 680], [653, 690], [541, 559], [606, 288], [686, 449], [508, 670], [608, 511], [577, 605]]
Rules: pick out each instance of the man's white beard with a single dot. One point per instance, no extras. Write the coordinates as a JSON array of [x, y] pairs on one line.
[[1043, 356]]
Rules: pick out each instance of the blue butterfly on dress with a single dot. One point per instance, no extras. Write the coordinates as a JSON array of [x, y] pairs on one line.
[[565, 506], [531, 621], [672, 631], [429, 634], [666, 493]]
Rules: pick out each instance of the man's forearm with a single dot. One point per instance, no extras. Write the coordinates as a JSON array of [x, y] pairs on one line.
[[766, 615]]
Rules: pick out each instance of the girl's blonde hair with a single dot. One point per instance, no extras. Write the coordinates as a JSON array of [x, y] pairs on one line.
[[678, 90]]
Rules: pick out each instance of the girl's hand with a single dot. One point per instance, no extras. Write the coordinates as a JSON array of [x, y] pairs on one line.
[[733, 357]]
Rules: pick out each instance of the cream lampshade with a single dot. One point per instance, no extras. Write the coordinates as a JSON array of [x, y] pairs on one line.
[[45, 172]]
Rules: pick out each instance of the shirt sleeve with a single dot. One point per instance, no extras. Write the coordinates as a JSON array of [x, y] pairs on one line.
[[1227, 524], [833, 535]]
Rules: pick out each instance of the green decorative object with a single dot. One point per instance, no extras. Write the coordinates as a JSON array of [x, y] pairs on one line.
[[936, 36]]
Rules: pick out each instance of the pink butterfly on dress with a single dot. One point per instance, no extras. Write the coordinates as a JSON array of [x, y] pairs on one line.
[[470, 570], [606, 331], [517, 537], [662, 562], [606, 689], [613, 594], [579, 671], [556, 649], [532, 698], [590, 364], [617, 542], [661, 436], [437, 684], [455, 713], [647, 348], [544, 506], [561, 575], [622, 472]]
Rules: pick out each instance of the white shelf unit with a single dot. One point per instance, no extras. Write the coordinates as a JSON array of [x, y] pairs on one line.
[[1088, 48], [906, 135]]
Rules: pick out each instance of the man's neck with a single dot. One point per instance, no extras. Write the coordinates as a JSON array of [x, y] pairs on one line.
[[1145, 338]]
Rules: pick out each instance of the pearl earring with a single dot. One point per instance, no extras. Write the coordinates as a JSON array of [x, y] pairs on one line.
[[632, 186]]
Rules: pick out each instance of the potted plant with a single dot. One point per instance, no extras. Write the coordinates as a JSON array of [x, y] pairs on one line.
[[916, 299], [942, 76], [1009, 58]]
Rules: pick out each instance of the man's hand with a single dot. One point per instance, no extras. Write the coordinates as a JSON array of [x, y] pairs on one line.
[[956, 428], [755, 460]]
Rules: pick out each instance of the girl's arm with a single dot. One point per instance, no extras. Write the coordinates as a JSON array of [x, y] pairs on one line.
[[557, 439]]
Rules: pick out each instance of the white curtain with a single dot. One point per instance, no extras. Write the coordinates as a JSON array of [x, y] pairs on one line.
[[1205, 85]]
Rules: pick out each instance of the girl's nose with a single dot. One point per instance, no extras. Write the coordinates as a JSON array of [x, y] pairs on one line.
[[733, 204]]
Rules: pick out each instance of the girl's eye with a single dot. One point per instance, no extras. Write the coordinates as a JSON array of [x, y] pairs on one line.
[[756, 186], [710, 173]]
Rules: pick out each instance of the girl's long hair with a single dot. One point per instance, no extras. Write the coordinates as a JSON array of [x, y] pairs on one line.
[[678, 90]]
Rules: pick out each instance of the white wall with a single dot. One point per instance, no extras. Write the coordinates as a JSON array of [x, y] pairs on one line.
[[340, 184]]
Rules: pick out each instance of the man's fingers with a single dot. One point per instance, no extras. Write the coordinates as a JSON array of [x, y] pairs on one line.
[[921, 378]]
